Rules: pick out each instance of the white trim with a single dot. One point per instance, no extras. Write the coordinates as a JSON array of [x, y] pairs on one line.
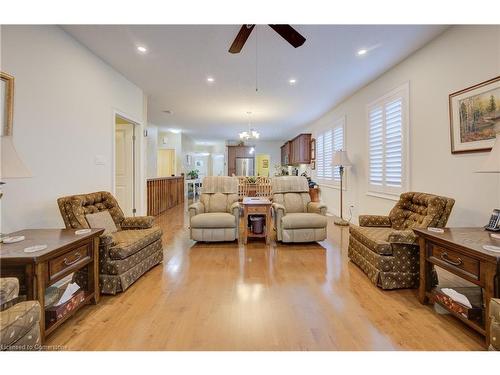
[[333, 186], [386, 192], [392, 197], [138, 159]]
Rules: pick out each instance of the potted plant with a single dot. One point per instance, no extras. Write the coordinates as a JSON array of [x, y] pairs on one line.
[[193, 174]]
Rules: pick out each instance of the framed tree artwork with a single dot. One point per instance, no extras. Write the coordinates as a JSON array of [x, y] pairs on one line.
[[7, 103], [474, 113]]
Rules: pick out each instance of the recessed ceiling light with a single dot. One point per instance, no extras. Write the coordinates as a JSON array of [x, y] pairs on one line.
[[362, 52], [175, 131], [292, 81], [142, 49], [210, 79]]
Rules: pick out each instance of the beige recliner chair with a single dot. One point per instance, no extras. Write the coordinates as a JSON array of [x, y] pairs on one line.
[[296, 218], [216, 216]]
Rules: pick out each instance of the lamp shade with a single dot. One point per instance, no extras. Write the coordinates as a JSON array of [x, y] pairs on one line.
[[11, 164], [492, 163], [340, 158]]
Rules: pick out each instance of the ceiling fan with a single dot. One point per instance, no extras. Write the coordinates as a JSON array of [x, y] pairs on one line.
[[287, 32]]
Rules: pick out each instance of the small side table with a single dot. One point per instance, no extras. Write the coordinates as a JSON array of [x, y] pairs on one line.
[[460, 251], [257, 206], [65, 254]]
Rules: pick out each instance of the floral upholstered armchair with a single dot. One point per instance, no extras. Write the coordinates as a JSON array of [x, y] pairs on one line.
[[386, 248], [124, 255], [216, 216], [19, 320]]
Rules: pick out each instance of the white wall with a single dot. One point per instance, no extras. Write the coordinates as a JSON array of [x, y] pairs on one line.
[[152, 151], [461, 57], [65, 98]]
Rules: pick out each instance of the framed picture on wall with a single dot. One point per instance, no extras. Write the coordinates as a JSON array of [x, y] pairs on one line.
[[474, 113], [7, 103]]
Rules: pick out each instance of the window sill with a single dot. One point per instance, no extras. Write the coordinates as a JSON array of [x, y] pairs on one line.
[[387, 196], [331, 186]]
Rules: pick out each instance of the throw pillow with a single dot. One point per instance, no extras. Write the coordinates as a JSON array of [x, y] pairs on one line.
[[102, 219]]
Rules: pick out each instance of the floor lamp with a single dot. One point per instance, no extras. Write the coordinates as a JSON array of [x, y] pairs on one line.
[[341, 160]]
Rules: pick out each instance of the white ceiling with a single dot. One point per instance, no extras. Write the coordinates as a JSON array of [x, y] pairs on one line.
[[173, 72]]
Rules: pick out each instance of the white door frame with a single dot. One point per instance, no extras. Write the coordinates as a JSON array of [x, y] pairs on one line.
[[139, 189]]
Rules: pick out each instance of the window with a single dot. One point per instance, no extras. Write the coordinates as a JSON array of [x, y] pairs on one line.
[[327, 143], [387, 143]]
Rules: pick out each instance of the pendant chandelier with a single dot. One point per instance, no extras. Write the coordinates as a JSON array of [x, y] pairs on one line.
[[250, 133]]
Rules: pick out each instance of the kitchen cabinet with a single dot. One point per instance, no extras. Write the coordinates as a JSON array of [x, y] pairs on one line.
[[285, 153], [297, 151]]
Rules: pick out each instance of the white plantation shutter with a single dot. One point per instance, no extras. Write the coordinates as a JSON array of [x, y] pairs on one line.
[[327, 143], [387, 148], [320, 158], [328, 152], [338, 144], [376, 147], [394, 143]]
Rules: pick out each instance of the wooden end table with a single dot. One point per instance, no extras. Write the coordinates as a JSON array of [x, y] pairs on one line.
[[66, 253], [257, 206], [460, 251]]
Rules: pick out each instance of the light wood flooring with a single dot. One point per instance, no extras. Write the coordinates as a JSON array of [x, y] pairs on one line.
[[257, 297]]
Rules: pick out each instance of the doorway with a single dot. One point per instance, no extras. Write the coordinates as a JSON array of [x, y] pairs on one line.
[[166, 162], [125, 171]]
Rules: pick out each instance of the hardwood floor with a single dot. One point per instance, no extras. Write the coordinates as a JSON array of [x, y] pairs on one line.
[[258, 297]]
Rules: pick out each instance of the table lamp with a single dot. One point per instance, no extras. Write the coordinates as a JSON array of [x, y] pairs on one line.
[[11, 164], [341, 159], [492, 165]]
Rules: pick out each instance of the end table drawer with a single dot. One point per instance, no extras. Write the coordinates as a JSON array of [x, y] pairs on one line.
[[257, 210], [59, 265], [456, 261]]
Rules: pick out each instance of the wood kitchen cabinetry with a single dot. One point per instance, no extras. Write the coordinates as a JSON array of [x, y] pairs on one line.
[[297, 150], [285, 153], [234, 152]]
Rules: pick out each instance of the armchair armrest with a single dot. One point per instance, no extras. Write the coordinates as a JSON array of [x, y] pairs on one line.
[[317, 208], [106, 241], [196, 209], [138, 222], [9, 289], [279, 207], [235, 209], [374, 221], [406, 237]]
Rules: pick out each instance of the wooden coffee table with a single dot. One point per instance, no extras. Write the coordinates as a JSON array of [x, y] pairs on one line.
[[257, 206], [66, 253], [460, 251]]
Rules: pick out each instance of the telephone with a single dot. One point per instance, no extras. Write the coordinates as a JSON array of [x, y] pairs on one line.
[[494, 223]]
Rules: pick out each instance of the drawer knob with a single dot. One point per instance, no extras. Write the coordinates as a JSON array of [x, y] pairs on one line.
[[458, 262], [67, 262]]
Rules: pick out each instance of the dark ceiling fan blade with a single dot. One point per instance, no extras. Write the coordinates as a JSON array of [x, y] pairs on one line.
[[288, 33], [241, 38]]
